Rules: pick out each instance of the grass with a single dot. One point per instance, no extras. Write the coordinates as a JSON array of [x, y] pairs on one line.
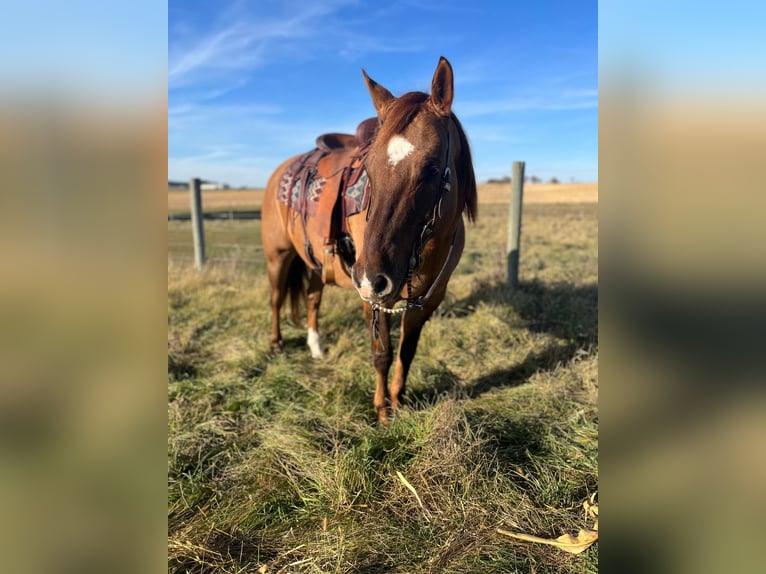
[[276, 463]]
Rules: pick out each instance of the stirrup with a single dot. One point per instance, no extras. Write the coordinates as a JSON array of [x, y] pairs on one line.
[[328, 265]]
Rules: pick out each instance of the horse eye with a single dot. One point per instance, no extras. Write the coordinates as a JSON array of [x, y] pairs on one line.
[[429, 172]]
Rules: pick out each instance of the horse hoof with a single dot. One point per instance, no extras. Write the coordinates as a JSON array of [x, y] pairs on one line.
[[278, 346]]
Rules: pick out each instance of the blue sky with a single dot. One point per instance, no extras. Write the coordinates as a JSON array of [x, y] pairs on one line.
[[252, 83]]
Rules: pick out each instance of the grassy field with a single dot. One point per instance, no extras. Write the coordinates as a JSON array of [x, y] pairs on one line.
[[276, 463]]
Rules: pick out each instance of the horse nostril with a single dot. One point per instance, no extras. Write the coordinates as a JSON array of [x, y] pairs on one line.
[[382, 285]]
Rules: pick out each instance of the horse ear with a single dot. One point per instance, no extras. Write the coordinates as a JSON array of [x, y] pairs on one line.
[[381, 97], [442, 88]]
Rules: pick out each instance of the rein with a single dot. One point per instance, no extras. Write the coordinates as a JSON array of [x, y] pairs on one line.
[[417, 252]]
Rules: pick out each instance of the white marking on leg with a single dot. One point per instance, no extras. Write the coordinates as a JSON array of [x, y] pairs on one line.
[[315, 344], [398, 149]]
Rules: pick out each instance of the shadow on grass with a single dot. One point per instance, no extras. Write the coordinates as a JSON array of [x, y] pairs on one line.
[[567, 311], [438, 382], [293, 344], [442, 382], [187, 356], [515, 376], [181, 367], [241, 549], [512, 441]]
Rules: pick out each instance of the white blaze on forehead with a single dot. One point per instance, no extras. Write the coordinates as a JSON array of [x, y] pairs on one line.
[[398, 149]]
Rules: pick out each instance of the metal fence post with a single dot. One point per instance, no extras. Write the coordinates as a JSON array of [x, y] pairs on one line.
[[514, 223], [198, 230]]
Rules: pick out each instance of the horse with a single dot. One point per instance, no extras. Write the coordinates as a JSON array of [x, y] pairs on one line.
[[401, 248]]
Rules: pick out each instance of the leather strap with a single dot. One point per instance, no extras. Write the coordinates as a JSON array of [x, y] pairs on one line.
[[328, 264]]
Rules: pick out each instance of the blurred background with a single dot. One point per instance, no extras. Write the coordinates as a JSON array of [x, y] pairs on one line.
[[682, 298], [83, 143]]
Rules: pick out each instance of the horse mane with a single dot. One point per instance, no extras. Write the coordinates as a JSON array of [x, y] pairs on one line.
[[399, 115], [465, 175]]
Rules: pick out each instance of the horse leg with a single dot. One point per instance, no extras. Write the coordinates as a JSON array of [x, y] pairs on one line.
[[382, 357], [278, 267], [412, 325], [313, 300]]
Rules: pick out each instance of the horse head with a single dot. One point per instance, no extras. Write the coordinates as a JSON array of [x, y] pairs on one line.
[[422, 180]]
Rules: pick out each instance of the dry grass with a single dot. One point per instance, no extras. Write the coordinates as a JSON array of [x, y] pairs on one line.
[[275, 462], [217, 200], [542, 193], [221, 200]]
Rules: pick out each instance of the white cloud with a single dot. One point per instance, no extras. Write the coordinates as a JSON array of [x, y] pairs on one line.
[[238, 144], [244, 40]]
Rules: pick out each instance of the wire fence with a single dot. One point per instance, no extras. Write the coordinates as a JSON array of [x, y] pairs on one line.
[[228, 241], [216, 259], [227, 215]]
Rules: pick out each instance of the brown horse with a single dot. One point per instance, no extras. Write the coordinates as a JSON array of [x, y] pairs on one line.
[[405, 243]]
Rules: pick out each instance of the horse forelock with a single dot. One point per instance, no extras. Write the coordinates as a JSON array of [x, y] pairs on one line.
[[400, 113]]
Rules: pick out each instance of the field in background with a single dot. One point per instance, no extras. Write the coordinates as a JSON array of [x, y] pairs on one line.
[[276, 463], [541, 193], [220, 200]]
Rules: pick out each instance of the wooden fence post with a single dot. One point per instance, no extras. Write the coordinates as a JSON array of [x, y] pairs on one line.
[[198, 230], [514, 223]]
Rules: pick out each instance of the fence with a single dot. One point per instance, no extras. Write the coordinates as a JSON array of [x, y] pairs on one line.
[[227, 236], [244, 240], [229, 215], [226, 241], [514, 223]]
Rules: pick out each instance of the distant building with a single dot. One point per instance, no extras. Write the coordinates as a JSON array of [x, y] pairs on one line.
[[208, 185], [178, 185]]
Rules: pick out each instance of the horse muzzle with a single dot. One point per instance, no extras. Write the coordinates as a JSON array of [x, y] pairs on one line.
[[379, 289]]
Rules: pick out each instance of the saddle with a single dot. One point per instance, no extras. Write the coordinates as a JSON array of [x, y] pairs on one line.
[[365, 133], [325, 186]]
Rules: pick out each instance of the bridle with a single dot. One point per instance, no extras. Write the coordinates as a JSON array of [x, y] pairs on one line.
[[417, 250]]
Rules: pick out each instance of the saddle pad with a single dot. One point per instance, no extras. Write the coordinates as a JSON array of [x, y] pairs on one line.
[[301, 186], [357, 196]]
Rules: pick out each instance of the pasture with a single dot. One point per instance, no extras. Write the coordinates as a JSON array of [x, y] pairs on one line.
[[276, 462], [491, 193]]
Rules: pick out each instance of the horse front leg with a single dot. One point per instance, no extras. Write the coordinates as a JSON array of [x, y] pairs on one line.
[[413, 321], [313, 300], [382, 357]]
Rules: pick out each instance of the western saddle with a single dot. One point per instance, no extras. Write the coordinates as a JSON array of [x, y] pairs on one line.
[[329, 184]]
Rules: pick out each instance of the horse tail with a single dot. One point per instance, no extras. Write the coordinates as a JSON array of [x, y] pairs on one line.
[[296, 284]]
